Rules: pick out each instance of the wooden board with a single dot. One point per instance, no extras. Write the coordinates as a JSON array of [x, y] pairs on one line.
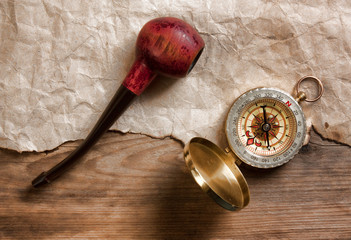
[[135, 187]]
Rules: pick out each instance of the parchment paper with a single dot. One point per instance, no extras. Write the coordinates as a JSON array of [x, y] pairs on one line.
[[62, 61]]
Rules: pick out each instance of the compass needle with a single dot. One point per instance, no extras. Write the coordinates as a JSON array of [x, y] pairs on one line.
[[268, 145]]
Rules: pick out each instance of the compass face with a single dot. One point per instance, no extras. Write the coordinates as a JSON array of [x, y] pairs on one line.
[[265, 127]]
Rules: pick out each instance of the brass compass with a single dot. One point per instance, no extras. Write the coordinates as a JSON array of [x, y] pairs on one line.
[[265, 128]]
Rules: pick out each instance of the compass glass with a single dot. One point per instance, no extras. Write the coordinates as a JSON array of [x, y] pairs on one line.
[[267, 127]]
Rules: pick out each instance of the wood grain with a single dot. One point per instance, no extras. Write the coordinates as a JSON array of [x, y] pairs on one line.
[[135, 187]]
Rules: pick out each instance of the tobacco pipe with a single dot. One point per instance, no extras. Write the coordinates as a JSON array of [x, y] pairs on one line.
[[165, 46]]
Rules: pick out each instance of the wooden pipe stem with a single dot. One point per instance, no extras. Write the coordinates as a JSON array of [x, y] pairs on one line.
[[119, 103]]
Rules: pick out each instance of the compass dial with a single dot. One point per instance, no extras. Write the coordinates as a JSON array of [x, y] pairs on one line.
[[265, 127]]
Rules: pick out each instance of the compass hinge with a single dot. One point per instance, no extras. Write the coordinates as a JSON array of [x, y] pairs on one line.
[[230, 152]]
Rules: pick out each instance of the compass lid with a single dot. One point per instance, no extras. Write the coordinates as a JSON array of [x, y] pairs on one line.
[[217, 174]]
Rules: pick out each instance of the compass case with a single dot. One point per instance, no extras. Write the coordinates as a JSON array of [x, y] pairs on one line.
[[217, 174], [286, 143]]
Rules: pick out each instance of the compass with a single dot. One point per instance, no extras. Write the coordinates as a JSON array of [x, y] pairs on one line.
[[265, 128]]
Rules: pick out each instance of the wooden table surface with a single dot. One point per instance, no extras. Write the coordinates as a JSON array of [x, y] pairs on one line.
[[131, 186]]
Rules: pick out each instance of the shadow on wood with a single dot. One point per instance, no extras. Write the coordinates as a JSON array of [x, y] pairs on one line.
[[184, 211]]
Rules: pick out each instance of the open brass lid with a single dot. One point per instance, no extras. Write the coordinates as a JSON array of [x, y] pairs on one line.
[[217, 174]]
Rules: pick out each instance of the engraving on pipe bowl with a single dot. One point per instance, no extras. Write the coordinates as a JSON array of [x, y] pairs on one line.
[[265, 127]]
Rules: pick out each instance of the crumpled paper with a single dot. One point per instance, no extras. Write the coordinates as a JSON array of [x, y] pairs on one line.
[[62, 61]]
